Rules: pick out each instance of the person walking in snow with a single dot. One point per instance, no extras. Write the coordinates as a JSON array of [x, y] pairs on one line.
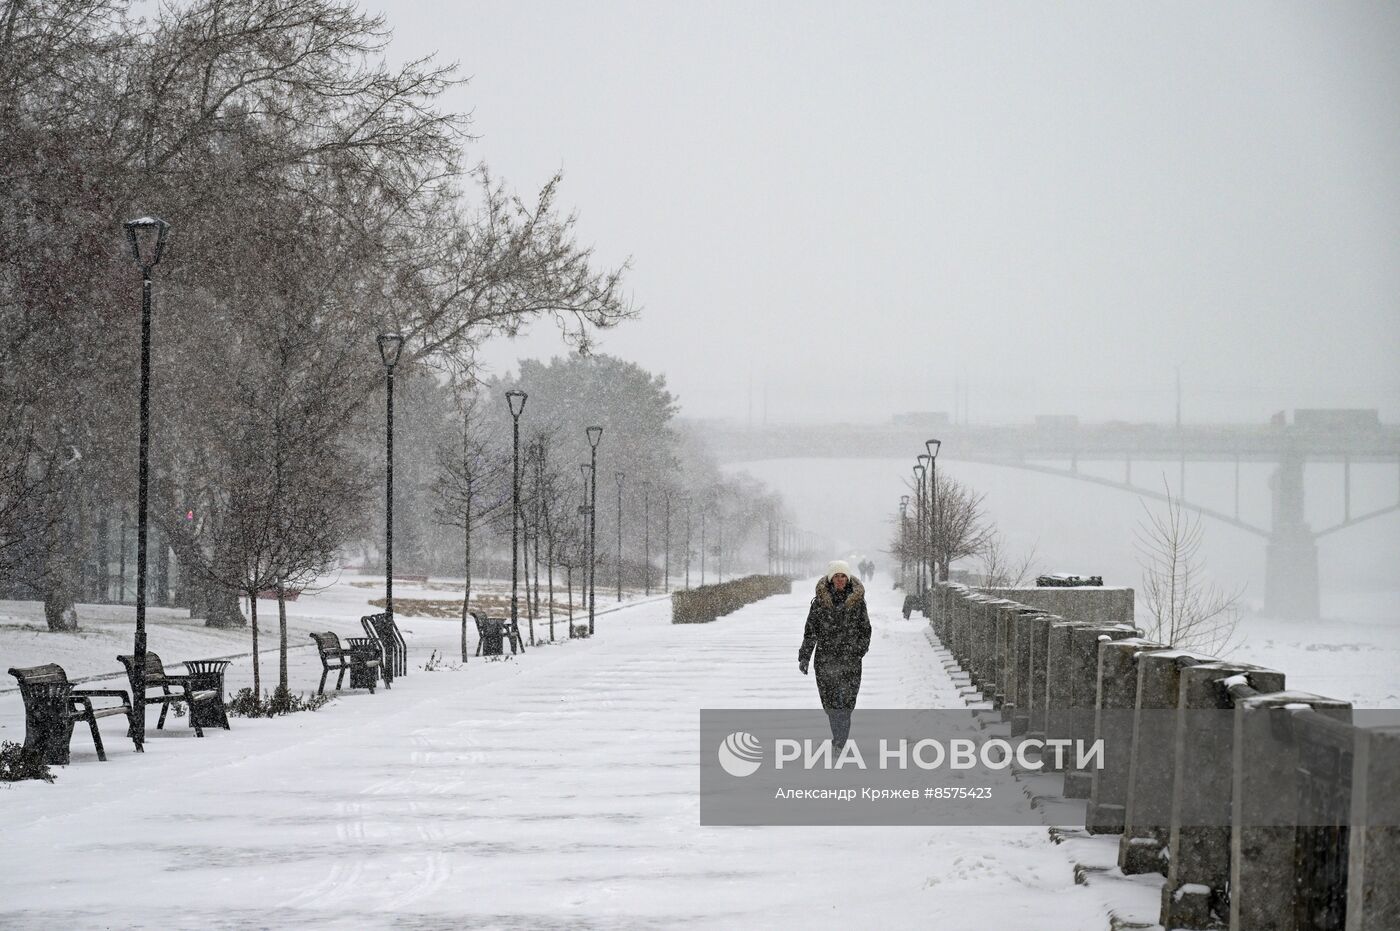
[[838, 631]]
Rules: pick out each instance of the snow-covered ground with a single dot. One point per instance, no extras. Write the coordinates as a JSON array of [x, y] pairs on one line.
[[558, 789]]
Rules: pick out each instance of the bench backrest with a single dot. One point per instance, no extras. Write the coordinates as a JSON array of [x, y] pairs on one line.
[[327, 641], [155, 670], [383, 628], [45, 683], [483, 621], [36, 675]]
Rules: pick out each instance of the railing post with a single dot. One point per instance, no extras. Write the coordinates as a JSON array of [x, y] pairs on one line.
[[962, 620], [1019, 681], [1113, 723], [1264, 878], [1039, 644], [1198, 868], [1152, 768], [1373, 895], [1084, 644], [980, 642], [1059, 680], [1002, 657]]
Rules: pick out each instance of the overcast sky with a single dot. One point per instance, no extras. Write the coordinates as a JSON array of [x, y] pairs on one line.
[[853, 206]]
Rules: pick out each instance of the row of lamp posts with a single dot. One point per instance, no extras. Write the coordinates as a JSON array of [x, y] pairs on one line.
[[926, 517], [147, 236]]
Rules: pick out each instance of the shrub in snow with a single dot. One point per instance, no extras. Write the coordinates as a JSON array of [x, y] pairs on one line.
[[17, 764], [282, 701], [437, 661]]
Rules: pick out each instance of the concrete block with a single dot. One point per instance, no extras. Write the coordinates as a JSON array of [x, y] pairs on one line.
[[1199, 844], [1084, 645], [1373, 880], [1039, 646], [1152, 765], [1019, 681], [1094, 605], [1059, 679], [1115, 698], [1263, 874]]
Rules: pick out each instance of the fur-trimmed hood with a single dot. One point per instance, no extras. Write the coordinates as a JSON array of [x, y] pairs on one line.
[[856, 596]]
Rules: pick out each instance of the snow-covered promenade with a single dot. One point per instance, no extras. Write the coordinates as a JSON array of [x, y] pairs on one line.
[[557, 790]]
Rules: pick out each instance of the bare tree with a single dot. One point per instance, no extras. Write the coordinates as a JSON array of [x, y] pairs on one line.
[[999, 568], [1185, 610], [472, 487], [296, 165]]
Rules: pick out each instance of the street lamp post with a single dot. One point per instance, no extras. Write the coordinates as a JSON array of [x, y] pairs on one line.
[[646, 537], [666, 563], [933, 446], [919, 472], [620, 477], [516, 401], [925, 557], [719, 545], [586, 509], [390, 345], [147, 237], [904, 542], [594, 435]]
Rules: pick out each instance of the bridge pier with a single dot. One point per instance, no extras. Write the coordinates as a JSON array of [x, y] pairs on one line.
[[1290, 566]]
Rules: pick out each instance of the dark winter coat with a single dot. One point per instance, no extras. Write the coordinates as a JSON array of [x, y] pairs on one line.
[[838, 631]]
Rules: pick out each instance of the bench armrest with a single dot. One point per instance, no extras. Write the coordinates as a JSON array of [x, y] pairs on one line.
[[103, 693]]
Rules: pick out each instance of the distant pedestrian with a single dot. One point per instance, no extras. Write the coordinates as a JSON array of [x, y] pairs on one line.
[[838, 630]]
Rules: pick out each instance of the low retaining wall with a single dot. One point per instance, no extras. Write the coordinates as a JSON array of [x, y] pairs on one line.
[[1095, 604], [704, 604], [1185, 799]]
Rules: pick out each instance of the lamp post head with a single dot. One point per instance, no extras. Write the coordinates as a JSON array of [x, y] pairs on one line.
[[586, 470], [147, 235], [619, 476], [903, 501], [515, 398], [390, 345], [925, 459], [594, 435], [933, 446]]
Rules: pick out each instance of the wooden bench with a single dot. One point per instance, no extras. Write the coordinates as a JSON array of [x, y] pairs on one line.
[[201, 689], [492, 632], [52, 705], [360, 656], [392, 649]]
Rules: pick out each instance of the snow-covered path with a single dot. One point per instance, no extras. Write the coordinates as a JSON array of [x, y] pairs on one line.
[[558, 790]]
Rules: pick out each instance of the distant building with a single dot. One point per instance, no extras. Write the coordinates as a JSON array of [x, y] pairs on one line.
[[1337, 418], [1056, 421], [921, 419]]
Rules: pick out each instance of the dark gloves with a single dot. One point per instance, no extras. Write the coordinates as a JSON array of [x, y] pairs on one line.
[[802, 664]]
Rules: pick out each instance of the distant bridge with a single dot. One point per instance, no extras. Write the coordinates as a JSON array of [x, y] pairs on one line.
[[1291, 579]]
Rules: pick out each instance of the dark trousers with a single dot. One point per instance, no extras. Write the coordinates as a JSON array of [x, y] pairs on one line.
[[838, 684]]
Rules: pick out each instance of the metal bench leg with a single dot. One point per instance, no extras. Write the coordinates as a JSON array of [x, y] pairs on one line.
[[340, 679], [194, 718], [164, 707], [325, 671], [97, 738]]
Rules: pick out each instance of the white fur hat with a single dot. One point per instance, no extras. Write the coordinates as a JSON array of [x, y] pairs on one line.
[[838, 567]]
